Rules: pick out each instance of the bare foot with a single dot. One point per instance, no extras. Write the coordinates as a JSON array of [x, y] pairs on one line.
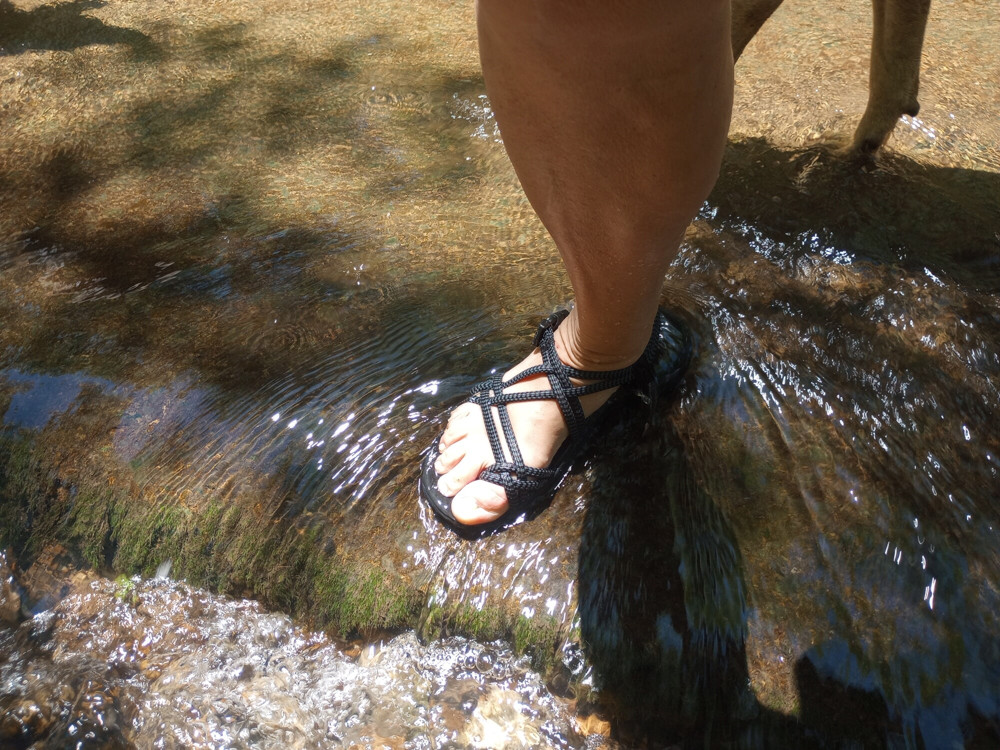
[[538, 425]]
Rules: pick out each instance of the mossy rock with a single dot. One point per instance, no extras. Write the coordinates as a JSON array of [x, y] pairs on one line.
[[227, 547]]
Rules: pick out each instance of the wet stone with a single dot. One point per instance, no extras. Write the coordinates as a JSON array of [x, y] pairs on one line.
[[226, 671], [10, 594]]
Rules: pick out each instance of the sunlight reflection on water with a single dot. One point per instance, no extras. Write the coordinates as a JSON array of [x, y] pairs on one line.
[[250, 267]]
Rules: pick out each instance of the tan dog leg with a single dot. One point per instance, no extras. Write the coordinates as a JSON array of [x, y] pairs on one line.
[[897, 40], [748, 17]]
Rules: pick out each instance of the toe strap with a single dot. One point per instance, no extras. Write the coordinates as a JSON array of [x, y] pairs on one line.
[[514, 475], [517, 478]]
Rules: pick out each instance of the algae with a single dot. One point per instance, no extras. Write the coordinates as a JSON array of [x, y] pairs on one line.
[[539, 636], [223, 547]]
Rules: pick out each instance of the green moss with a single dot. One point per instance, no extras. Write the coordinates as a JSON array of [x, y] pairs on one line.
[[231, 548], [19, 480], [486, 624], [89, 520], [356, 601], [144, 537], [125, 590], [539, 636]]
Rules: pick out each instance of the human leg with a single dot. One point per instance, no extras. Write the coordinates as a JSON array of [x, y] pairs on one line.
[[614, 116]]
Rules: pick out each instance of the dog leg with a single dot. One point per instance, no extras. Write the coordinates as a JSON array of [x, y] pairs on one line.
[[894, 75], [748, 17]]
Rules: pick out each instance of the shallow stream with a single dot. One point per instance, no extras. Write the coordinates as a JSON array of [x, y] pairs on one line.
[[249, 259]]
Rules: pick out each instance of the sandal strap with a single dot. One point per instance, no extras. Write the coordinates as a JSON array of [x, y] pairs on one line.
[[515, 474]]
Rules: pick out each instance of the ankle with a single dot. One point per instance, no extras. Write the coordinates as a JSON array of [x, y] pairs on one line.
[[575, 351]]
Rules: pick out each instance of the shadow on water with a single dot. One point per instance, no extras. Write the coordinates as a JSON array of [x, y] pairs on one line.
[[213, 255], [661, 596], [63, 26], [892, 210], [664, 622], [794, 265], [901, 214]]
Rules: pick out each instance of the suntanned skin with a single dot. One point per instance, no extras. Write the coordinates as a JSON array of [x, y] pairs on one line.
[[614, 116]]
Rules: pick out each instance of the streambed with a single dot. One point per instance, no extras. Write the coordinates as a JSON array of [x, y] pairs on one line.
[[249, 259]]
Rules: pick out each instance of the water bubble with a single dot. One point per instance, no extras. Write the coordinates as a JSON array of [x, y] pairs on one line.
[[485, 661]]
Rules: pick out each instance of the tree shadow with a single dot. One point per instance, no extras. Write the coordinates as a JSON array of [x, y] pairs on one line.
[[194, 259], [63, 26], [126, 260]]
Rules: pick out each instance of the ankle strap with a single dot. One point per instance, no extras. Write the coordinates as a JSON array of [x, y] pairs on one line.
[[639, 371]]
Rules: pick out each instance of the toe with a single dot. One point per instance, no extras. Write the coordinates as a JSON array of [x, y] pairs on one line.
[[465, 471], [458, 425], [448, 458], [479, 502], [461, 411]]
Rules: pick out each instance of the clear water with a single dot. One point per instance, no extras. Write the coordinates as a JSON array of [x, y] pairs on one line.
[[253, 257], [155, 663]]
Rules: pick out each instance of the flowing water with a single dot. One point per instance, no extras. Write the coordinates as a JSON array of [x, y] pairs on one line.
[[250, 256], [158, 664]]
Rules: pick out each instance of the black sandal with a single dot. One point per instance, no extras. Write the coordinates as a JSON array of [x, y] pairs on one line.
[[529, 489]]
